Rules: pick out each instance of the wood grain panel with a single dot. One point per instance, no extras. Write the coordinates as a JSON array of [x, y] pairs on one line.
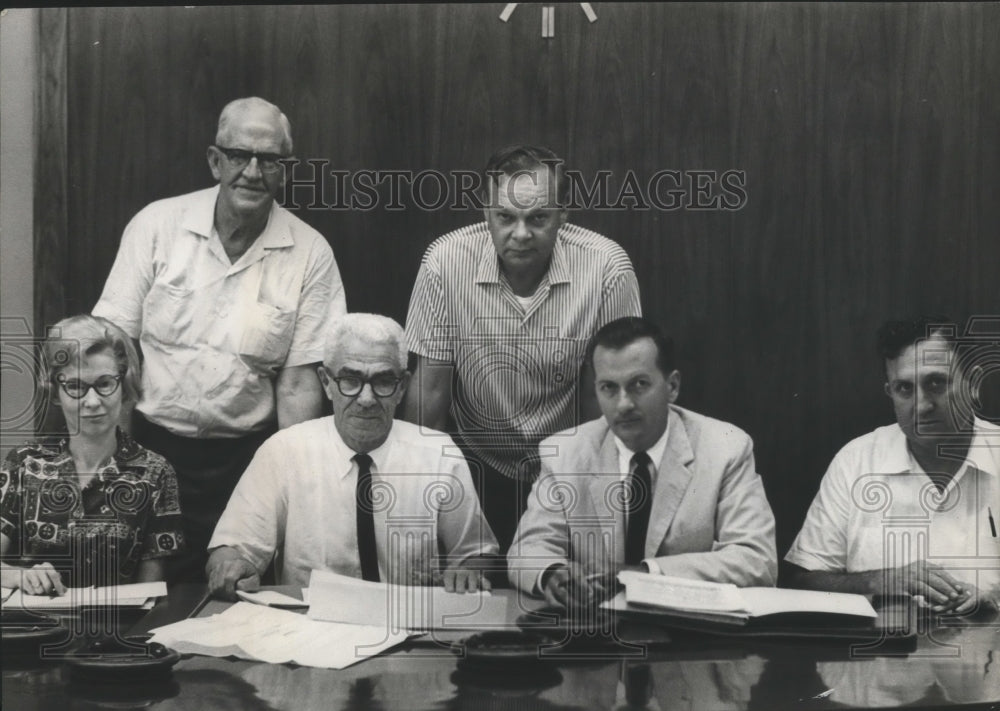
[[867, 133], [51, 250]]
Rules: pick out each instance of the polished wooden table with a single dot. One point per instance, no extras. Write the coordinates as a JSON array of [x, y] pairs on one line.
[[952, 664]]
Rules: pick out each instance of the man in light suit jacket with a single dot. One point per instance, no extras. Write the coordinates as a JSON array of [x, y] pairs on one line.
[[650, 486]]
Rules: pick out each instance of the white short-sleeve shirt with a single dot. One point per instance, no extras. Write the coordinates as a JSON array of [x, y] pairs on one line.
[[214, 333], [877, 509]]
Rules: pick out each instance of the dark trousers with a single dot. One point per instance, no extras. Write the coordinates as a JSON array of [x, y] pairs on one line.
[[207, 472], [503, 499]]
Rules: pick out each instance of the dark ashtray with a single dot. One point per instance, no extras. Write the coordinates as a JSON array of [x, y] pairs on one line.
[[128, 659], [24, 630], [558, 622], [587, 629], [509, 649]]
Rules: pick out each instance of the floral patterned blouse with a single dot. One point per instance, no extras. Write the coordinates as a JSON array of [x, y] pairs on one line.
[[97, 534]]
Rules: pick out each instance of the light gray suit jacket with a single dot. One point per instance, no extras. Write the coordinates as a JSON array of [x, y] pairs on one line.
[[710, 519]]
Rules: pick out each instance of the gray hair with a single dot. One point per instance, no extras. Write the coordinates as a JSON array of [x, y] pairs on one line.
[[239, 108], [366, 327], [76, 337]]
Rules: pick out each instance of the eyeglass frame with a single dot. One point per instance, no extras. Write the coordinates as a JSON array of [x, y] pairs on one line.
[[364, 381], [61, 380], [262, 158]]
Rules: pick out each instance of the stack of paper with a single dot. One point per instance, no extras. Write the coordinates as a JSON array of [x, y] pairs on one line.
[[140, 595], [339, 598], [261, 633], [683, 594], [718, 602], [271, 598]]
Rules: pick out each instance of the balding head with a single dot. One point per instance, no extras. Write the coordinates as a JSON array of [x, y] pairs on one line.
[[253, 111]]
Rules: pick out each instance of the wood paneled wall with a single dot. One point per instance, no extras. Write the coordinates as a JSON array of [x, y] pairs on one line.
[[869, 135]]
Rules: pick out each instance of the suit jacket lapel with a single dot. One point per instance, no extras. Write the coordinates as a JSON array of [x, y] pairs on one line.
[[603, 478], [600, 490], [672, 479]]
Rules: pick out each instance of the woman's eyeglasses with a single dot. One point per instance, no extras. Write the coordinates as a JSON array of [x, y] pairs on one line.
[[77, 389]]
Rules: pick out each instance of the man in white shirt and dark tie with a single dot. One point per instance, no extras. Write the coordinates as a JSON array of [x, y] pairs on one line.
[[358, 493], [649, 486]]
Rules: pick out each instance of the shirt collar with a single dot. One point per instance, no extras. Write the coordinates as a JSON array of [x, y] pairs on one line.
[[343, 455], [983, 454], [200, 216], [655, 452], [58, 456], [984, 450], [895, 459], [558, 268], [488, 269], [200, 219]]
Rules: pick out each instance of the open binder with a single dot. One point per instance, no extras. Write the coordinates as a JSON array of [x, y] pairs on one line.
[[763, 612]]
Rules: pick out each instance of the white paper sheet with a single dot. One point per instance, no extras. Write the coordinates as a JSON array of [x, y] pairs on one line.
[[270, 598], [275, 636], [681, 593], [766, 601], [619, 604], [133, 595], [724, 599], [338, 598]]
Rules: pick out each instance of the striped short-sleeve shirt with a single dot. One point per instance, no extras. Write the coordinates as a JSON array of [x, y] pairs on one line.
[[517, 364]]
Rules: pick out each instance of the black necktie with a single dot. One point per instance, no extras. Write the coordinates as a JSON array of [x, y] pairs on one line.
[[640, 493], [366, 521]]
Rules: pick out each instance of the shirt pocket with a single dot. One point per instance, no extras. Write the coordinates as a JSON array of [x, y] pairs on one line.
[[267, 337], [167, 313]]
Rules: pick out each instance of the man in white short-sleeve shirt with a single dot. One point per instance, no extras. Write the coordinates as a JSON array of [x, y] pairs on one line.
[[911, 507], [230, 298]]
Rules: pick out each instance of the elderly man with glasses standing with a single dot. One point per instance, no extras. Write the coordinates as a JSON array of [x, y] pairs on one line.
[[229, 297], [358, 493]]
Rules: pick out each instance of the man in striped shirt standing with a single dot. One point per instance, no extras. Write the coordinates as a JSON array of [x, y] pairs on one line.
[[499, 320]]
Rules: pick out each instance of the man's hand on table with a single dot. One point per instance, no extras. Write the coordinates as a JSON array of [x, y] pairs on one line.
[[569, 585], [971, 600], [938, 588], [468, 576], [228, 572]]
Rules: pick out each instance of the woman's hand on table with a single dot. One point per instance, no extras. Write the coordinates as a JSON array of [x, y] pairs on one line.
[[40, 579]]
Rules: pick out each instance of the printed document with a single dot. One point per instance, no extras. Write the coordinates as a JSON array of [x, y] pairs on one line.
[[266, 634], [339, 598]]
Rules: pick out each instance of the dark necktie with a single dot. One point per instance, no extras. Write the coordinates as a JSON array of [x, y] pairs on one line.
[[640, 491], [366, 521]]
